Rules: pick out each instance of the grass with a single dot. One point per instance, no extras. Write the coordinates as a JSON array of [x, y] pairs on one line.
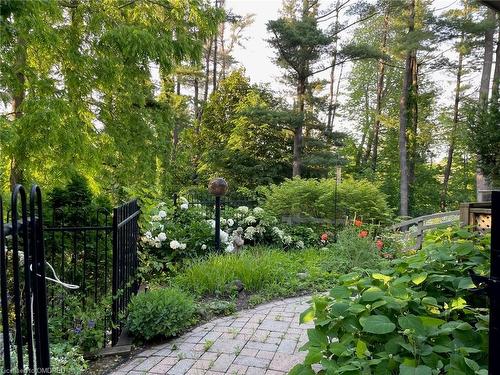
[[268, 273], [265, 271]]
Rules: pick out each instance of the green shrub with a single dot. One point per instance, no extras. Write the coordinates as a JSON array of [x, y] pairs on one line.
[[351, 251], [160, 312], [418, 317], [315, 198]]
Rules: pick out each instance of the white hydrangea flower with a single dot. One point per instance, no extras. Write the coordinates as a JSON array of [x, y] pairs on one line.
[[162, 214], [203, 247], [258, 210], [223, 221], [243, 209], [249, 233], [230, 222], [229, 248], [174, 244], [250, 220], [182, 246], [184, 206], [223, 236], [155, 218], [162, 236], [157, 244], [287, 239], [300, 244], [148, 235], [211, 223], [277, 231], [183, 200], [260, 229]]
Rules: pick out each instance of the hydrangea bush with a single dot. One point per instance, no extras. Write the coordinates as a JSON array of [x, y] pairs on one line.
[[175, 233]]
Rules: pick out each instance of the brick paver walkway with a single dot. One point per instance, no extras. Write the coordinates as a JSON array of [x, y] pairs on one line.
[[264, 340]]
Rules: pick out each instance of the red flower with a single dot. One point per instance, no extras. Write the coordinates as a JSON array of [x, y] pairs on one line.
[[324, 237], [380, 244], [358, 223], [363, 234]]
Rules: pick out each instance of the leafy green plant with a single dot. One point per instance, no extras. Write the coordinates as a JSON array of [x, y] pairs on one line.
[[418, 317], [161, 312], [311, 197]]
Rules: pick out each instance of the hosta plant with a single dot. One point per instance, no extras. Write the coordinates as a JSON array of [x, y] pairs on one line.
[[418, 317]]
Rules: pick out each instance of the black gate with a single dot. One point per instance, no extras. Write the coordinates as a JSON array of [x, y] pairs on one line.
[[125, 236], [22, 286]]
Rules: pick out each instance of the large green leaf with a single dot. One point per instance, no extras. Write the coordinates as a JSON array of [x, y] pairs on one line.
[[419, 370], [378, 324]]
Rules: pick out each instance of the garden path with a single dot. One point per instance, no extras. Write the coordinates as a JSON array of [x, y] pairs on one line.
[[264, 340]]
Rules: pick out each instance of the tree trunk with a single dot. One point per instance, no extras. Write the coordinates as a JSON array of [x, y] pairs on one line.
[[335, 103], [495, 94], [403, 120], [369, 142], [412, 139], [481, 181], [451, 149], [332, 71], [18, 95], [214, 67], [380, 95], [207, 70], [196, 100], [297, 136]]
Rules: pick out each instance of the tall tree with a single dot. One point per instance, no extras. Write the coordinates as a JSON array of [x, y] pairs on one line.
[[299, 44], [404, 109]]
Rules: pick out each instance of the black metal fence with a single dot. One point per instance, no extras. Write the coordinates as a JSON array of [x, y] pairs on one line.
[[125, 262], [22, 286], [93, 254], [78, 245]]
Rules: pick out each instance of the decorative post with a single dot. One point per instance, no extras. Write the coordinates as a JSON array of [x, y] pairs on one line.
[[217, 187]]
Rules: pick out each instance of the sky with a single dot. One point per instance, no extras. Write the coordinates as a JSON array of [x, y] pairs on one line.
[[256, 56]]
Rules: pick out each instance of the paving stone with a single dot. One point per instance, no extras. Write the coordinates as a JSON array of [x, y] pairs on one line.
[[287, 346], [147, 353], [256, 371], [261, 341], [236, 370], [181, 367], [265, 354], [274, 325], [285, 362], [223, 362], [227, 346], [252, 361], [203, 364], [147, 364], [261, 346], [249, 352]]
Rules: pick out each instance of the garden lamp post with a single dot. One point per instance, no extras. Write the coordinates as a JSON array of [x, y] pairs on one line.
[[338, 176], [217, 187]]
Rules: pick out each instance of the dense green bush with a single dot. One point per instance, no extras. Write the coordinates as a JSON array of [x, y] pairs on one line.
[[417, 317], [160, 312], [352, 251], [315, 198]]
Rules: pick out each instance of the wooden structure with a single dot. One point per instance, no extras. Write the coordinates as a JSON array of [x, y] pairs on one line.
[[424, 223], [476, 215]]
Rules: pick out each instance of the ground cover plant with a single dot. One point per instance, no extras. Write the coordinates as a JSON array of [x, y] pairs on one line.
[[417, 316]]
